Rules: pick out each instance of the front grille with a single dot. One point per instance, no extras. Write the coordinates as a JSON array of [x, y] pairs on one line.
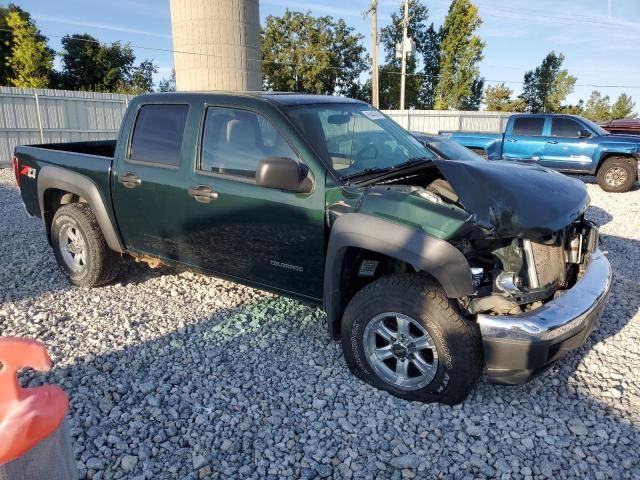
[[546, 264]]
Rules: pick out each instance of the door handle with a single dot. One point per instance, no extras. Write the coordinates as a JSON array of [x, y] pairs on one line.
[[129, 180], [511, 140], [553, 142], [203, 193]]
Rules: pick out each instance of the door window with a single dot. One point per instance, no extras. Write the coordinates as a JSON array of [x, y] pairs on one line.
[[158, 133], [528, 126], [565, 127], [234, 142]]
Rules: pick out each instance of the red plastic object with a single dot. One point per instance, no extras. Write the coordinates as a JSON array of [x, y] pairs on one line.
[[27, 415]]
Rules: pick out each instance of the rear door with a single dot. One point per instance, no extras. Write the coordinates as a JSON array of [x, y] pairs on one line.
[[148, 181], [525, 140], [564, 149]]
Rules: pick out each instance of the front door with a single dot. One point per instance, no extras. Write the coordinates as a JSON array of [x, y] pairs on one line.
[[234, 227], [565, 150], [524, 142]]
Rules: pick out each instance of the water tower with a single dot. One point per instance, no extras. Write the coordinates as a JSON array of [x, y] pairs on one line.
[[217, 44]]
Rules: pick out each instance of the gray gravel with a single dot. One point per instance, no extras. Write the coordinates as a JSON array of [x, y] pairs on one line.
[[176, 375]]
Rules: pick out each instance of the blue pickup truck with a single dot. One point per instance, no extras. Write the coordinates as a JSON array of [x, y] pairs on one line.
[[566, 143]]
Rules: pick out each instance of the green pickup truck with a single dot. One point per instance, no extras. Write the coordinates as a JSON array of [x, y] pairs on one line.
[[429, 269]]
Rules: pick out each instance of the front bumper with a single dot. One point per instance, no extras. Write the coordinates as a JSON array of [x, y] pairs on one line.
[[519, 347]]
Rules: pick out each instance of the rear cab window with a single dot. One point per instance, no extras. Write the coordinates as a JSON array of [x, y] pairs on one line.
[[158, 134], [528, 126]]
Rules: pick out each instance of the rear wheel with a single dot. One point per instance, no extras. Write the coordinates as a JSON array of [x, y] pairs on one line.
[[80, 248], [402, 334], [617, 174]]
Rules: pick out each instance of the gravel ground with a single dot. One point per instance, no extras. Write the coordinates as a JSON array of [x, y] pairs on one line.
[[176, 375]]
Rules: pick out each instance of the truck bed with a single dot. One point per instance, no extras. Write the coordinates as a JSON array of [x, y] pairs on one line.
[[100, 148]]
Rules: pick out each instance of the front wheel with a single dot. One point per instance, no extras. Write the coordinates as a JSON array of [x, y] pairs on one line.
[[402, 334], [617, 174]]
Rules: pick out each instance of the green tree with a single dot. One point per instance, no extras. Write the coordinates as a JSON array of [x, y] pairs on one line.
[[142, 78], [498, 98], [89, 65], [546, 87], [623, 107], [30, 61], [302, 53], [598, 107], [420, 84], [168, 84], [460, 84], [7, 40]]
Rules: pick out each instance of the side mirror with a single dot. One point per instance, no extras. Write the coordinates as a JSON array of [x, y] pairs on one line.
[[584, 133], [284, 173]]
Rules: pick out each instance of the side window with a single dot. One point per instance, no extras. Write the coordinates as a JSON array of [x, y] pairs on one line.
[[157, 134], [528, 126], [234, 141], [565, 127]]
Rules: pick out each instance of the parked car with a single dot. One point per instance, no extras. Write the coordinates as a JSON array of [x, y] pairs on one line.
[[428, 269], [566, 143], [624, 126], [446, 149]]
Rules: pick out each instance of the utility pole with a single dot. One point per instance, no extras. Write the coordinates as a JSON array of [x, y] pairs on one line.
[[374, 54], [405, 25]]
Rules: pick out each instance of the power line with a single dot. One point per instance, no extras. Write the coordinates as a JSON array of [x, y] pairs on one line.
[[564, 19], [382, 72]]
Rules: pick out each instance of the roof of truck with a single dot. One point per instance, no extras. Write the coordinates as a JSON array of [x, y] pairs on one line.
[[275, 98]]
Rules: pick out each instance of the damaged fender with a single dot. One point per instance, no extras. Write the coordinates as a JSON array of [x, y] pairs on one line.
[[425, 253]]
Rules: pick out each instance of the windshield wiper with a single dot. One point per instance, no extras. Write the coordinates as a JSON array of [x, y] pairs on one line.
[[411, 161], [366, 172], [384, 170]]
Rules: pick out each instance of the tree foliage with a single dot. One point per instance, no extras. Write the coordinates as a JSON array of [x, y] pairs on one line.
[[598, 108], [27, 60], [498, 98], [168, 84], [547, 86], [460, 84], [88, 64], [623, 107], [303, 53], [422, 67]]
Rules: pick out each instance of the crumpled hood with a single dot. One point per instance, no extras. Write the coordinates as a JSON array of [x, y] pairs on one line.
[[515, 199]]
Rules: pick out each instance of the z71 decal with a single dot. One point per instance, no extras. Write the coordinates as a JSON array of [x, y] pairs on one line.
[[28, 172]]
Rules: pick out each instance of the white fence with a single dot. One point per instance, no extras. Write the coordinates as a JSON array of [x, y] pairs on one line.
[[44, 116], [433, 121]]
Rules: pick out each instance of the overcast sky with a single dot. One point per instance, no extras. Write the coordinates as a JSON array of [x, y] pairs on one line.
[[598, 37]]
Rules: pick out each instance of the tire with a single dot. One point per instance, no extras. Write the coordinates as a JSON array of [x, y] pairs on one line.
[[454, 350], [617, 174], [80, 248]]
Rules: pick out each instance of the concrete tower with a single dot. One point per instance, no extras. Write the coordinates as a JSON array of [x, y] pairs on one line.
[[217, 44]]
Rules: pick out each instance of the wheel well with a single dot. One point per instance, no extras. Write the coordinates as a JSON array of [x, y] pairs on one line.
[[53, 199], [607, 156], [359, 268]]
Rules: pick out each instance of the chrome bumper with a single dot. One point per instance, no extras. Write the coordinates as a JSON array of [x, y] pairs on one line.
[[519, 347], [560, 317]]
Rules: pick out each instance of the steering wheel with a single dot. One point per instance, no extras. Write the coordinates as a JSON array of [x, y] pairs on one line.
[[360, 156]]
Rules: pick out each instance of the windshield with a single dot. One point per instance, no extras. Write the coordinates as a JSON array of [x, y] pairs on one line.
[[595, 127], [451, 150], [356, 138]]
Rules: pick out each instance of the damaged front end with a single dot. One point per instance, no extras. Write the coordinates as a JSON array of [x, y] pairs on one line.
[[539, 280]]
